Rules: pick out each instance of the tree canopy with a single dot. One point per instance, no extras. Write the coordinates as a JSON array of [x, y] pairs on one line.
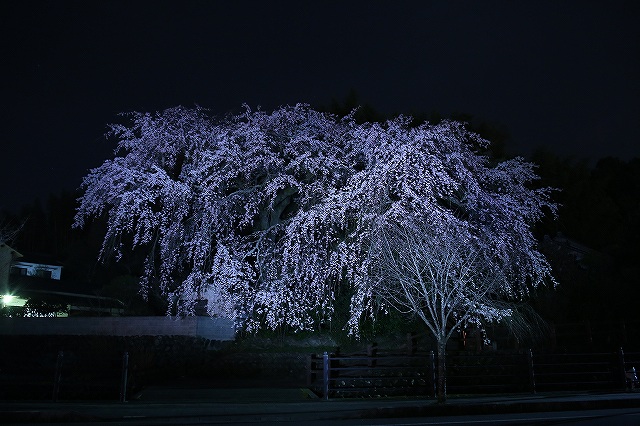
[[266, 215]]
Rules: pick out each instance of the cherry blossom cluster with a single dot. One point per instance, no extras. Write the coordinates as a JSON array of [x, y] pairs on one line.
[[267, 215]]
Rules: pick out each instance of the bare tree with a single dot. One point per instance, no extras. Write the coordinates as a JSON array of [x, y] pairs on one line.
[[8, 232], [442, 276]]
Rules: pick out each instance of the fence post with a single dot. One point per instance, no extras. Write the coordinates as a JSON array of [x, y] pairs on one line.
[[532, 374], [432, 367], [623, 372], [412, 343], [57, 378], [372, 353], [325, 376], [123, 379], [310, 370], [587, 326]]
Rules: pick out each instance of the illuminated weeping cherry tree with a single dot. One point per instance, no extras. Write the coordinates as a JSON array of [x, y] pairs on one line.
[[266, 215], [228, 209]]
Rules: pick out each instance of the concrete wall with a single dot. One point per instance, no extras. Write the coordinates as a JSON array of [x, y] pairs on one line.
[[205, 327]]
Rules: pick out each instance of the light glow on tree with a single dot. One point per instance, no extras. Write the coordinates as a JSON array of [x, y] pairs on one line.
[[265, 215]]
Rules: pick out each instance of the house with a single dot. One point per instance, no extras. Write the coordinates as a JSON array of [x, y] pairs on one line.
[[37, 265], [33, 286]]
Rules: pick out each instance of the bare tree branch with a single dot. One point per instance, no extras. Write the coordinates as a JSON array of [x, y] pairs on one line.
[[446, 281]]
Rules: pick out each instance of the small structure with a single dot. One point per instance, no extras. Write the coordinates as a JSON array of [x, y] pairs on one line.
[[32, 286], [35, 265]]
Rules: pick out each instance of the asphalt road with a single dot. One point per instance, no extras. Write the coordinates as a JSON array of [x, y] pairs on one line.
[[185, 406], [610, 417]]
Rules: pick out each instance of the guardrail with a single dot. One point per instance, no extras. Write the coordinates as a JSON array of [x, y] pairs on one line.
[[379, 374], [490, 373], [589, 371]]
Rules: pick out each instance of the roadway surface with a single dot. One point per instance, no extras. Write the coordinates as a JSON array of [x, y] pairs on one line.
[[185, 405]]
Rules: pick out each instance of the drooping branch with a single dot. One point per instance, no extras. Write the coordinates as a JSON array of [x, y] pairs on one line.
[[266, 214]]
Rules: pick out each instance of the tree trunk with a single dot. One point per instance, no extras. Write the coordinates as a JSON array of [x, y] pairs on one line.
[[442, 372]]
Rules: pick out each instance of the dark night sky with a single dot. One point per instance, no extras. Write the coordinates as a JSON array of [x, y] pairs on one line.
[[559, 74]]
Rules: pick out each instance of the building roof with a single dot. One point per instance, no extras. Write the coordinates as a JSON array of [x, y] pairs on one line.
[[73, 292], [40, 259], [15, 252]]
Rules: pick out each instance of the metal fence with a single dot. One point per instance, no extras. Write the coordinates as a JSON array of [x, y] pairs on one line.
[[489, 373], [379, 374]]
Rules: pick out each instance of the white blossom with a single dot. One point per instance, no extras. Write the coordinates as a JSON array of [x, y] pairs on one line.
[[266, 215]]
